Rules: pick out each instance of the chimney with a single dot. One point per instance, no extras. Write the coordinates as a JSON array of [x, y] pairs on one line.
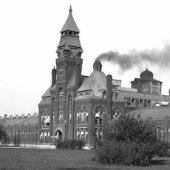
[[97, 66], [109, 92], [53, 73]]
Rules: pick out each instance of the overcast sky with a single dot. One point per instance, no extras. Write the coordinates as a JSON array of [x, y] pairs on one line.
[[30, 33]]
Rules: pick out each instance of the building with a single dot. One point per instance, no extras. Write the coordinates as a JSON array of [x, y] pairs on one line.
[[76, 106]]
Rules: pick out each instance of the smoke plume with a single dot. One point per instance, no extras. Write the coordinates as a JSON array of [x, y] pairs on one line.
[[155, 57]]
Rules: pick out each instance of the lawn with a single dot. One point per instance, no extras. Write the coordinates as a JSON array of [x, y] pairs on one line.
[[56, 159]]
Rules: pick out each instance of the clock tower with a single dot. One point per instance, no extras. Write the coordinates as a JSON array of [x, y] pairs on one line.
[[68, 73]]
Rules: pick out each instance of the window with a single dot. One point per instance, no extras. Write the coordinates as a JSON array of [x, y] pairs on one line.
[[128, 101], [82, 116], [70, 102], [60, 97], [82, 133], [104, 94], [160, 132], [116, 113], [98, 133], [45, 119], [60, 118], [98, 114]]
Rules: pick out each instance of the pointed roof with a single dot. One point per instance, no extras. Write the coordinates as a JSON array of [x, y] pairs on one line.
[[70, 24]]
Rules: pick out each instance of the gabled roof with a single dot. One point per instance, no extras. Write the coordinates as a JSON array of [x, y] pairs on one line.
[[70, 24]]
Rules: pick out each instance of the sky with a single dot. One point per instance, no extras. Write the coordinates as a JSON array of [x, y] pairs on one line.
[[30, 33]]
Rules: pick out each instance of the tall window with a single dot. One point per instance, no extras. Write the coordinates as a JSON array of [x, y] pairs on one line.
[[160, 132], [70, 105], [70, 102], [45, 119], [98, 114], [99, 121], [82, 133], [82, 116], [60, 97]]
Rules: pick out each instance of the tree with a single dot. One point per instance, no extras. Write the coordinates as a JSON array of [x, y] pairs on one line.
[[3, 135], [128, 141]]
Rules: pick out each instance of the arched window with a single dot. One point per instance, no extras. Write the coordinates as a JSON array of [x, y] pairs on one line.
[[45, 119], [60, 97], [116, 113], [98, 114], [160, 133], [82, 116]]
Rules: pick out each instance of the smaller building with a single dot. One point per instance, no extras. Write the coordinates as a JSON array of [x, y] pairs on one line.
[[21, 129]]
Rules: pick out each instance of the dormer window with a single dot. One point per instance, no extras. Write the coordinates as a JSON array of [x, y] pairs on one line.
[[103, 94]]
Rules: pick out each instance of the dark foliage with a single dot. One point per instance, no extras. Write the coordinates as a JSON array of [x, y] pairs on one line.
[[3, 135], [70, 144], [129, 141]]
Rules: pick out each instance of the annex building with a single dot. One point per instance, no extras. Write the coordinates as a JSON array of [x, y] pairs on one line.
[[77, 106]]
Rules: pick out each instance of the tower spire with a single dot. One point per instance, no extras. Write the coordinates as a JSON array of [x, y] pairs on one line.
[[70, 10], [70, 24]]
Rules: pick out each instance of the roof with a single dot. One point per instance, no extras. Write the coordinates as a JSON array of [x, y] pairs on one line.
[[154, 112], [45, 100], [122, 94], [70, 24], [146, 75], [95, 82], [33, 120], [47, 93], [70, 41], [127, 89]]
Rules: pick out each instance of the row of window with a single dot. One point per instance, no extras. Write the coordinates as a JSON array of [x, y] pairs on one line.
[[136, 102], [82, 133]]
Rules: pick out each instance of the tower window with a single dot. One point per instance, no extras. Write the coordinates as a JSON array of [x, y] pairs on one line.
[[60, 96]]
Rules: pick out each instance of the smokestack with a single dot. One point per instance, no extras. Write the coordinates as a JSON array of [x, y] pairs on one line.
[[53, 73], [109, 92], [97, 66]]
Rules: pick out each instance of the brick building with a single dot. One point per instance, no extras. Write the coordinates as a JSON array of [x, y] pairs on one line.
[[76, 106]]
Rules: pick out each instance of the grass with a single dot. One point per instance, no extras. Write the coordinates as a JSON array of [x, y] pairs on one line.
[[44, 159]]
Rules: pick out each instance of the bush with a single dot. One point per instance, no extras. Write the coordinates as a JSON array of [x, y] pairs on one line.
[[129, 141], [70, 144], [161, 148], [80, 144]]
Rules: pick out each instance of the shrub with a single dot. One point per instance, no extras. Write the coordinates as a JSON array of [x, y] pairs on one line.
[[129, 141], [161, 148], [80, 144], [70, 144]]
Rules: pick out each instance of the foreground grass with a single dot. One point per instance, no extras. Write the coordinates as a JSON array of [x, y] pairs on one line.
[[44, 159]]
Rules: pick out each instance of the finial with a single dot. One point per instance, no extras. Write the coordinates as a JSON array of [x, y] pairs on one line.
[[70, 10]]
